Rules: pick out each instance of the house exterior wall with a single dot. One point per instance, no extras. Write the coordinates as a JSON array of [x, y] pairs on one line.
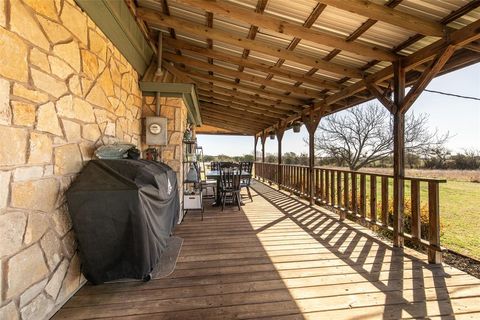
[[64, 91]]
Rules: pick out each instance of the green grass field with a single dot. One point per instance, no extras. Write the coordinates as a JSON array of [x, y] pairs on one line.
[[460, 217]]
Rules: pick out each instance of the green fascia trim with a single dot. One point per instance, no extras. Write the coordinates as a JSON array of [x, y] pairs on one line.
[[186, 91], [115, 20]]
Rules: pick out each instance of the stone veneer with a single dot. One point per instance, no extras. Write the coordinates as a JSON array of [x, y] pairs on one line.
[[64, 90]]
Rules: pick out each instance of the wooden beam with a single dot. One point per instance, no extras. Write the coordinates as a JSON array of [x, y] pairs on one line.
[[239, 113], [427, 76], [158, 20], [244, 106], [388, 15], [249, 63], [246, 97], [311, 121], [233, 116], [182, 76], [159, 71], [228, 126], [279, 109], [398, 155], [381, 96], [304, 92], [238, 13], [255, 91], [279, 132], [233, 123], [266, 113]]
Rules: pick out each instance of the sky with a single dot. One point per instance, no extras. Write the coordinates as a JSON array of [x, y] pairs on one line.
[[460, 117]]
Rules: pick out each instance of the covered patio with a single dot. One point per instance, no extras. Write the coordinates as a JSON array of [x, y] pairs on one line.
[[76, 75], [280, 258]]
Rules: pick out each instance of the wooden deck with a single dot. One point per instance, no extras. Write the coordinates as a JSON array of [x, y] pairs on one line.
[[281, 259]]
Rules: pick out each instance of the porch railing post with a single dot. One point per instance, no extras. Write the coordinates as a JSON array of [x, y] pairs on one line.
[[279, 132], [311, 121]]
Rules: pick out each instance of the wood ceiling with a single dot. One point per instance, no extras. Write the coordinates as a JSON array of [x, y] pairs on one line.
[[261, 63]]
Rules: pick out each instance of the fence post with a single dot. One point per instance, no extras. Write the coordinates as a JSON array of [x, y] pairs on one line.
[[434, 251]]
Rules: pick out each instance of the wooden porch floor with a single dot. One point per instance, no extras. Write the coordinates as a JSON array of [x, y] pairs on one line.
[[278, 258]]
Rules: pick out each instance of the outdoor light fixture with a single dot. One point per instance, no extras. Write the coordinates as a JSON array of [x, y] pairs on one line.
[[296, 126], [272, 135]]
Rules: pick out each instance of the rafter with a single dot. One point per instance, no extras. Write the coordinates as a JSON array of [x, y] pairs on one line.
[[306, 93], [260, 108], [235, 12], [248, 63], [233, 115], [395, 17], [159, 20], [245, 109], [263, 93]]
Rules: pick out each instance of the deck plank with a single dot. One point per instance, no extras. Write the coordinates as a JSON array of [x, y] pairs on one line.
[[278, 258]]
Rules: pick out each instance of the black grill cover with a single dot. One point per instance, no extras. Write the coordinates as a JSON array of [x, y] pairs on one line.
[[123, 212]]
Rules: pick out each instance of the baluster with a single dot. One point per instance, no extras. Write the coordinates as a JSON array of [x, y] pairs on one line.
[[327, 186], [339, 189], [346, 204], [373, 199], [354, 193], [332, 188], [415, 212], [322, 189], [434, 253], [363, 202], [384, 201]]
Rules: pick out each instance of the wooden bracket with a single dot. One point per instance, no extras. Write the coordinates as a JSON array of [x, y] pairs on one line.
[[381, 96], [280, 130], [263, 137], [182, 76], [437, 64], [311, 120], [159, 71]]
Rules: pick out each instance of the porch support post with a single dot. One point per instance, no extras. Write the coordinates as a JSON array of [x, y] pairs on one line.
[[311, 121], [279, 132], [263, 138], [255, 141], [398, 153], [398, 107]]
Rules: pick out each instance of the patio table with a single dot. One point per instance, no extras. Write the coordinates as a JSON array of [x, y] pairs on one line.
[[215, 175]]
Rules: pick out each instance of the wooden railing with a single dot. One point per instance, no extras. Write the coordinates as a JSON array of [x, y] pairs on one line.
[[367, 197]]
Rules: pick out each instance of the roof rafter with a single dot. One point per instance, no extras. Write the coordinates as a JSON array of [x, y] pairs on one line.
[[159, 20], [227, 10]]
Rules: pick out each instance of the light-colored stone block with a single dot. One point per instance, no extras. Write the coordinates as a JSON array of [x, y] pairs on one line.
[[27, 173], [5, 187], [40, 148], [67, 159], [14, 56], [54, 31], [97, 97], [5, 111], [48, 83], [32, 292], [24, 269], [72, 130], [90, 65], [62, 221], [70, 53], [23, 113], [48, 170], [52, 248], [91, 132], [83, 110], [75, 21], [45, 8], [110, 129], [39, 308], [74, 85], [37, 225], [37, 195], [39, 59], [97, 44], [9, 312], [60, 68], [72, 279], [3, 16], [12, 227], [69, 244], [13, 149], [47, 119], [22, 22], [32, 95], [55, 283]]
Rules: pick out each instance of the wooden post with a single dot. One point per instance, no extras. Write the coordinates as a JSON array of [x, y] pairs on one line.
[[434, 250], [398, 154], [255, 141], [311, 121], [263, 139], [279, 132]]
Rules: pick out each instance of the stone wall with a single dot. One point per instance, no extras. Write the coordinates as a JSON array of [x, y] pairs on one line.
[[64, 90], [176, 113]]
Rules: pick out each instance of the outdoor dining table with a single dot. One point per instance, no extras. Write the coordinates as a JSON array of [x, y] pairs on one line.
[[215, 175]]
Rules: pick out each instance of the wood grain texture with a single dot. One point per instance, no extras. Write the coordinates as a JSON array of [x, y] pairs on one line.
[[280, 258]]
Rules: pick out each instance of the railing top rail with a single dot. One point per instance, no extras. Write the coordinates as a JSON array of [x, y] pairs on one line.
[[420, 179]]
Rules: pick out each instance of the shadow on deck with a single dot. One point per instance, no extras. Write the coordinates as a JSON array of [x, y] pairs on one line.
[[279, 258]]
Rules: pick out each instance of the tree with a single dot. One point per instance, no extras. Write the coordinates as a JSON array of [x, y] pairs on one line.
[[364, 134]]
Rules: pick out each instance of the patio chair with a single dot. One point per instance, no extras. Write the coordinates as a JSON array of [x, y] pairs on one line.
[[214, 166], [230, 185], [246, 168]]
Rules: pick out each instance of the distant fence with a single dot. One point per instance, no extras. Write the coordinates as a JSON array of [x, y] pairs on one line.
[[367, 197]]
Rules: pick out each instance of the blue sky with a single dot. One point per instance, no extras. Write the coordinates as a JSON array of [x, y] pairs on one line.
[[460, 117]]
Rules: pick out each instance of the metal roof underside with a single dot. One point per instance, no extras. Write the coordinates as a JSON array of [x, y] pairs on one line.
[[249, 76]]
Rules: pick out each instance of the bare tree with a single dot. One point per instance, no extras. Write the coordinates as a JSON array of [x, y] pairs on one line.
[[364, 134]]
